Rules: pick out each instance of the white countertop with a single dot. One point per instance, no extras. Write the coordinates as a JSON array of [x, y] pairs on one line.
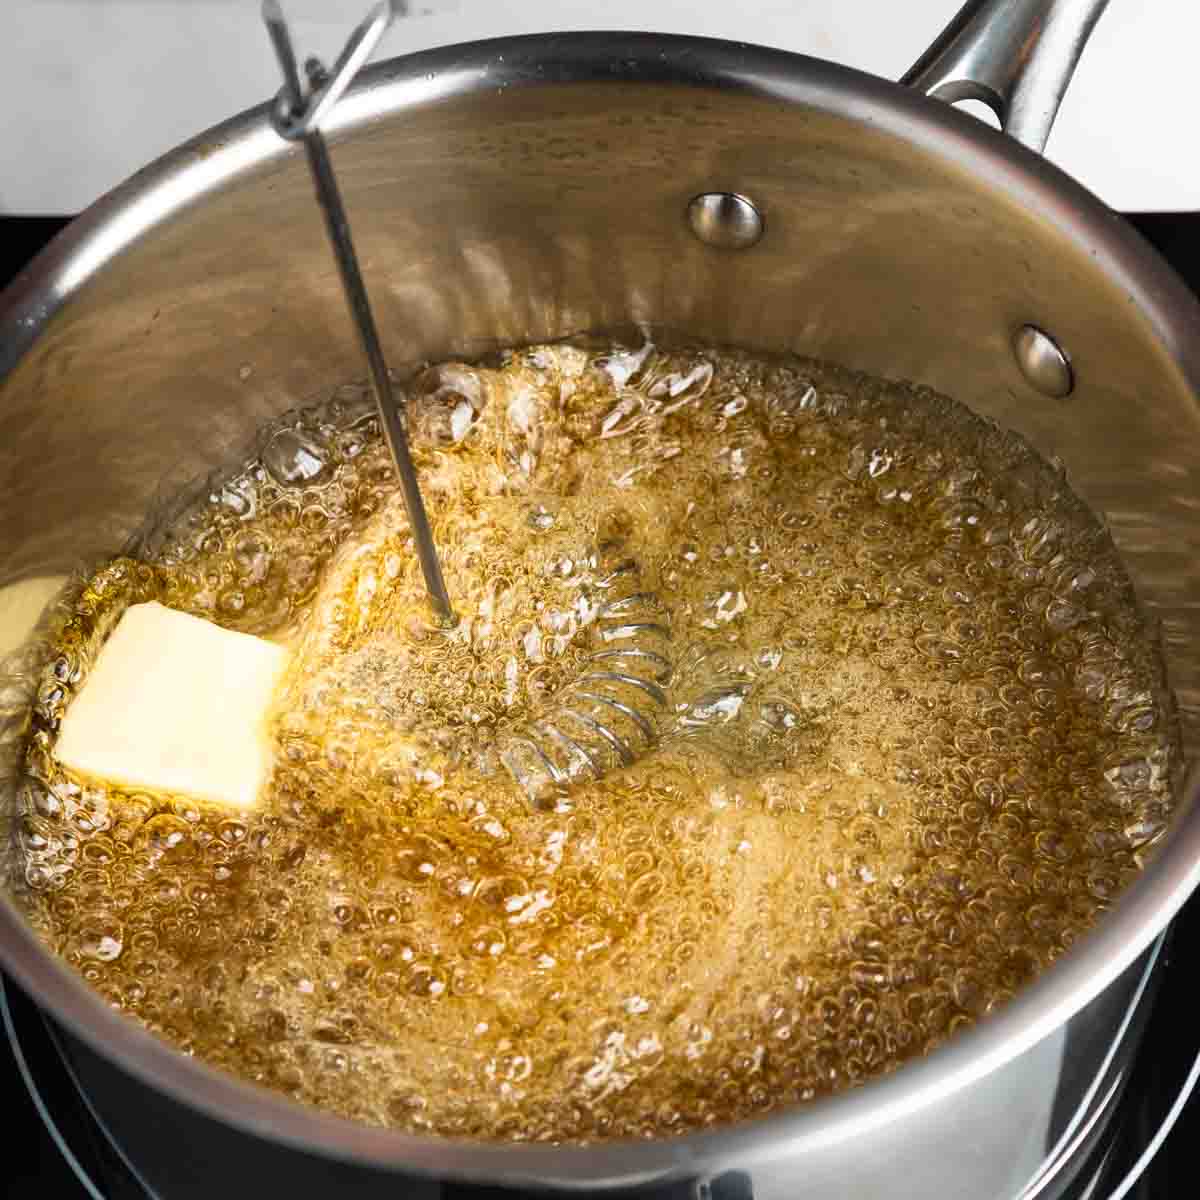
[[93, 89]]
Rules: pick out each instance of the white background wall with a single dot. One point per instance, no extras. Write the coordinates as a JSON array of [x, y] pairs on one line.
[[92, 89]]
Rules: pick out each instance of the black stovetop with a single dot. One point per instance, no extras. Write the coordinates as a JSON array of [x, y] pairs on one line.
[[38, 1167]]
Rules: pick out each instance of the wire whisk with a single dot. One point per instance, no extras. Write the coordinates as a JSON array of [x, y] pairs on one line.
[[611, 714]]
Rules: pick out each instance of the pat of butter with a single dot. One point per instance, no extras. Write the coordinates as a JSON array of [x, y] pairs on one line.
[[176, 704], [20, 606]]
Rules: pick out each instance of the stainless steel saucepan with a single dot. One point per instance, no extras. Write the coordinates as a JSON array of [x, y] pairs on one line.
[[530, 188]]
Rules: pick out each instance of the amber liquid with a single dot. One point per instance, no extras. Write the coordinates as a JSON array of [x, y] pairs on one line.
[[895, 737]]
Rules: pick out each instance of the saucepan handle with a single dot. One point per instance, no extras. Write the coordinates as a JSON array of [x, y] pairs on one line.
[[1017, 56]]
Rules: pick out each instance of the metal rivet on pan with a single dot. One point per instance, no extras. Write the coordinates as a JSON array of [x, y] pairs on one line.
[[1043, 362], [725, 219]]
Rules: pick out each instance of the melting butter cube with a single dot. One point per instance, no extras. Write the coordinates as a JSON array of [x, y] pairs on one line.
[[174, 703], [20, 606]]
